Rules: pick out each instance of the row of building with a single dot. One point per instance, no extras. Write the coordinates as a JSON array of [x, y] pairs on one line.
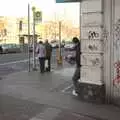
[[11, 31]]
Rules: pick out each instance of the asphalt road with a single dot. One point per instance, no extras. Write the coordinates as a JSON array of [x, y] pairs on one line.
[[10, 63]]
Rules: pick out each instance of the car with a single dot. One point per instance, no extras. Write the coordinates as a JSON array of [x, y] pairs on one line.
[[30, 47], [24, 48], [54, 45], [10, 48], [69, 46], [69, 52]]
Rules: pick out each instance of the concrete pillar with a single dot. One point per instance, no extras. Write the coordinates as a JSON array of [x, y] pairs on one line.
[[92, 70], [108, 57]]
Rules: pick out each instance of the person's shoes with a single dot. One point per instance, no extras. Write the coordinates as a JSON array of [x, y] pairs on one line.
[[47, 70], [41, 72], [74, 93]]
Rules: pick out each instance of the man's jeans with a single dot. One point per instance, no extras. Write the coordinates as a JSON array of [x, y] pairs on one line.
[[42, 64], [75, 79]]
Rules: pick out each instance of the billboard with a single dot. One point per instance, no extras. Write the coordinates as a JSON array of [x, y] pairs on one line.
[[65, 1]]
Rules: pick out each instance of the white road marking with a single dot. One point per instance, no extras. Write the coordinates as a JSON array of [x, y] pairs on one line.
[[8, 63], [67, 88], [20, 61]]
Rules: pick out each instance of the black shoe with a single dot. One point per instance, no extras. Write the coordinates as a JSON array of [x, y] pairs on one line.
[[42, 72], [47, 70]]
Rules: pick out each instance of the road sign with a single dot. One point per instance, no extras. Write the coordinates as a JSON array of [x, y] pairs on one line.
[[65, 1], [38, 16]]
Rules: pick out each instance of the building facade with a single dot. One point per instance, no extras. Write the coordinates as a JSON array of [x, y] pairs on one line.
[[12, 32], [100, 39]]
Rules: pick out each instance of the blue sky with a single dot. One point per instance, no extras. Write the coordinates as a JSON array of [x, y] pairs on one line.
[[67, 11]]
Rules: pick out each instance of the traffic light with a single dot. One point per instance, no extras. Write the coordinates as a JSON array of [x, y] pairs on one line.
[[20, 25]]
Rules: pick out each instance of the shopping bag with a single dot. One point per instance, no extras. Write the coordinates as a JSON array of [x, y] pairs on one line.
[[46, 63]]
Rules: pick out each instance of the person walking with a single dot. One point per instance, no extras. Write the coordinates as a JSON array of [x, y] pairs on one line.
[[48, 55], [41, 51], [1, 49], [76, 75]]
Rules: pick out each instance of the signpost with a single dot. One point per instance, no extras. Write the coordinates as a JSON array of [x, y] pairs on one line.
[[37, 17]]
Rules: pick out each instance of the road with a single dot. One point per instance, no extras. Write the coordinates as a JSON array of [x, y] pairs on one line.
[[10, 63]]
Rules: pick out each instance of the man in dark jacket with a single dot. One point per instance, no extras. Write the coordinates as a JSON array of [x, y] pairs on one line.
[[1, 49], [48, 54], [76, 75]]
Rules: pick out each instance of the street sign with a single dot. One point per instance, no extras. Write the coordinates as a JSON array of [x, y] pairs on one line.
[[65, 1], [38, 16]]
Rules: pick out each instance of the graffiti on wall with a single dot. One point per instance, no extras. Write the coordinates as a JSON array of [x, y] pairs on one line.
[[95, 61], [117, 34], [92, 35], [116, 79], [91, 60], [93, 47]]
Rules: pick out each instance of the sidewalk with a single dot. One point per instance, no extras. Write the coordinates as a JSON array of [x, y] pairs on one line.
[[45, 95]]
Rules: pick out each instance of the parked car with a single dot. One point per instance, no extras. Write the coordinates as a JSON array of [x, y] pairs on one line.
[[69, 46], [54, 44], [11, 48], [24, 48], [69, 52], [30, 47]]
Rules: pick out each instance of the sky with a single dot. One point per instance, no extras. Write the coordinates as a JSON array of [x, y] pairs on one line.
[[50, 9]]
